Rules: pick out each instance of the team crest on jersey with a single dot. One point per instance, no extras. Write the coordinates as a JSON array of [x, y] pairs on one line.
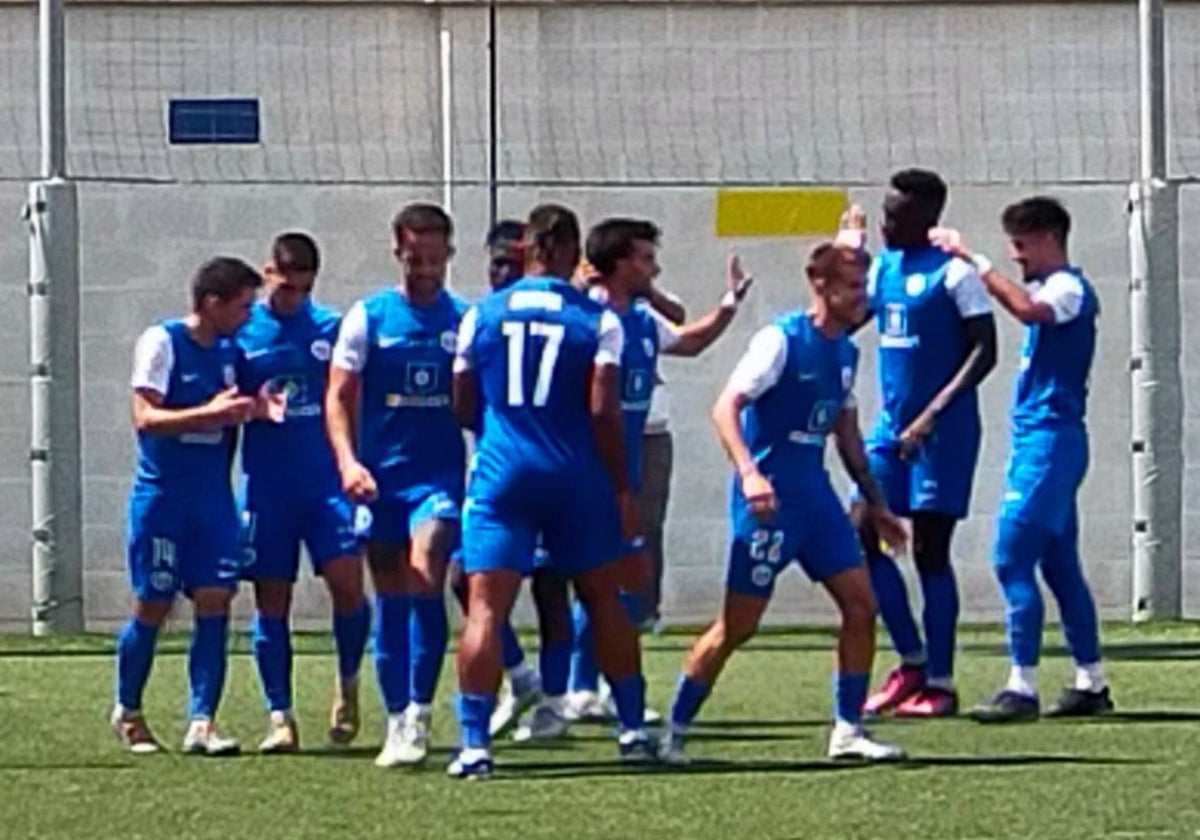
[[762, 574], [648, 347], [320, 350], [449, 341], [230, 376], [915, 284]]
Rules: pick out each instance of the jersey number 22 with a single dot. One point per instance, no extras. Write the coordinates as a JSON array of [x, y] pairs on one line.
[[517, 332]]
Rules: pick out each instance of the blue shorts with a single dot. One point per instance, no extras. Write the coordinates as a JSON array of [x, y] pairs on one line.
[[578, 525], [811, 529], [180, 545], [276, 519], [394, 519], [1044, 472], [937, 479]]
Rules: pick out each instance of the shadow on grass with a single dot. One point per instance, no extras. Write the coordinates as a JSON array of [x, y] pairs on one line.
[[1161, 651], [590, 769]]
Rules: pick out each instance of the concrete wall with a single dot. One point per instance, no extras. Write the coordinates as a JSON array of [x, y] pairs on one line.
[[607, 140]]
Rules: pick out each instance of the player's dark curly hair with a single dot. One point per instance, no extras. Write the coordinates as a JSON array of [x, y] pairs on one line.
[[612, 240], [925, 185], [295, 251], [1039, 214]]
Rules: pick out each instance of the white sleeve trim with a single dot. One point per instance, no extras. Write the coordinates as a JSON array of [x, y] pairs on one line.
[[1063, 293], [350, 350], [153, 358], [612, 340], [466, 338], [762, 365], [668, 333], [967, 290]]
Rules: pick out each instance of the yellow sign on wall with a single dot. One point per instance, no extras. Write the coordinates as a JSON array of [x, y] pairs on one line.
[[807, 211]]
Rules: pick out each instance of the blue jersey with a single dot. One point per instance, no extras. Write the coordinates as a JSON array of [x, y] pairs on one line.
[[292, 353], [409, 437], [798, 380], [920, 298], [1056, 360], [639, 375], [169, 361], [532, 346]]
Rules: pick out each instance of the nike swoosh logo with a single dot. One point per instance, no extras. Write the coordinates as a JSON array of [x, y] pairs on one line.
[[190, 377], [254, 354]]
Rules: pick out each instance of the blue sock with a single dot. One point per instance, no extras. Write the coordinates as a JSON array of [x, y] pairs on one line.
[[940, 618], [135, 656], [474, 717], [849, 695], [689, 697], [554, 663], [1076, 607], [629, 695], [585, 673], [350, 634], [892, 598], [273, 656], [206, 664], [512, 651], [392, 651], [1019, 546], [430, 633]]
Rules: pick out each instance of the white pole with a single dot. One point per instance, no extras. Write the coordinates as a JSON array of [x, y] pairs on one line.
[[56, 491], [1157, 392], [447, 120]]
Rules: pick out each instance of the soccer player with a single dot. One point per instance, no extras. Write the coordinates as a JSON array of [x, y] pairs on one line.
[[506, 257], [623, 254], [293, 493], [790, 391], [400, 452], [1039, 524], [542, 360], [937, 342], [183, 524]]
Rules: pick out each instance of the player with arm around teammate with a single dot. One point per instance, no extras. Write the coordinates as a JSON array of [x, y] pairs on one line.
[[792, 390], [1039, 520], [937, 342], [624, 255], [401, 454], [541, 360], [183, 524], [292, 491]]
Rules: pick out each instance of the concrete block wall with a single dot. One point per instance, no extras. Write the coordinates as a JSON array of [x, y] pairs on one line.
[[814, 93]]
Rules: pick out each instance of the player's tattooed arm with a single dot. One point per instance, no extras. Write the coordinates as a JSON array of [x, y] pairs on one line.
[[853, 453], [854, 457]]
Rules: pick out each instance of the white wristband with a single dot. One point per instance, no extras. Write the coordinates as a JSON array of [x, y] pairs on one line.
[[982, 264], [729, 300]]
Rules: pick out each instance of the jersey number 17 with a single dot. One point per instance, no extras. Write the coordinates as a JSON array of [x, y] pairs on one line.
[[517, 333]]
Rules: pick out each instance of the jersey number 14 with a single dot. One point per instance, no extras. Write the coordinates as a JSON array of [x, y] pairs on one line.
[[517, 332]]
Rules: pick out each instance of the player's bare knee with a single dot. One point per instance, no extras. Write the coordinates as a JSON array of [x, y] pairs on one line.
[[212, 601], [931, 543], [152, 613], [343, 579], [273, 598]]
